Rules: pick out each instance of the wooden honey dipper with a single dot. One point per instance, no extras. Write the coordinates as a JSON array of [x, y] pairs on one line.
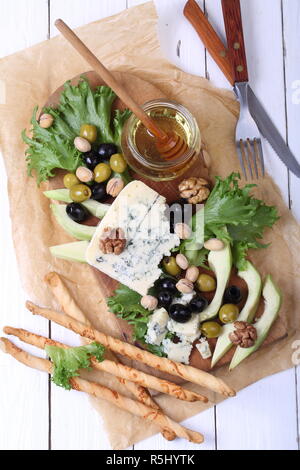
[[169, 145]]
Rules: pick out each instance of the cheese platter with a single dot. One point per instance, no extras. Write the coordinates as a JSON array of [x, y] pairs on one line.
[[144, 264], [169, 244]]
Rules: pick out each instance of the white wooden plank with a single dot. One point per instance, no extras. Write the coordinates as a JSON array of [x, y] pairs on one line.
[[22, 24], [23, 392], [214, 13], [134, 3], [298, 402], [87, 425], [291, 31], [262, 417], [72, 410], [203, 423], [262, 30], [75, 424], [77, 13], [263, 39], [178, 38]]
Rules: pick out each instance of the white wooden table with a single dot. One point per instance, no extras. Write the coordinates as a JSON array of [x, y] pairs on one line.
[[36, 415]]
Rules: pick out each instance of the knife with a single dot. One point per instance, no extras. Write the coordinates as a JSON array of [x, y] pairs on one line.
[[219, 53]]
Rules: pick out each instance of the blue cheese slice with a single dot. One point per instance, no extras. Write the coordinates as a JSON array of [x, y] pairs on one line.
[[204, 349], [190, 329], [157, 326], [140, 212], [188, 338], [179, 352]]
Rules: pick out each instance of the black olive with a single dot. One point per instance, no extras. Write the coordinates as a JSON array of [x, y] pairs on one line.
[[164, 298], [77, 212], [166, 283], [198, 304], [179, 212], [232, 295], [107, 150], [91, 159], [180, 313], [99, 192]]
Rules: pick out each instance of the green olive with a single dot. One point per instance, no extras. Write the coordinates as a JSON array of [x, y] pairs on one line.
[[102, 172], [80, 192], [170, 266], [211, 329], [88, 132], [117, 163], [70, 180], [206, 283], [228, 313]]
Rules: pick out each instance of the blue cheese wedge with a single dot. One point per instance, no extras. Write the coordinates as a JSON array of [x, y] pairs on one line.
[[140, 212], [157, 327], [179, 352], [190, 329], [204, 349]]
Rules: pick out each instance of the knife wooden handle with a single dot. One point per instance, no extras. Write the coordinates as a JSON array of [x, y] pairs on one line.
[[209, 37], [235, 39]]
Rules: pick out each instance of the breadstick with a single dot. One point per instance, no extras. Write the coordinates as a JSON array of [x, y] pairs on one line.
[[191, 374], [99, 391], [70, 307], [118, 369]]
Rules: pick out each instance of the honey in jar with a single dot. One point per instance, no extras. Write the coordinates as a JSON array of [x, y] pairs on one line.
[[139, 146]]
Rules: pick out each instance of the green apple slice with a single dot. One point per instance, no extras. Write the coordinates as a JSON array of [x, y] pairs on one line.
[[220, 263], [272, 296], [79, 231], [98, 209], [74, 251], [62, 195], [252, 278]]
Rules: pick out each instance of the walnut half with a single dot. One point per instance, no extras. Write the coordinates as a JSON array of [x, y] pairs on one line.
[[244, 334], [112, 241], [195, 190]]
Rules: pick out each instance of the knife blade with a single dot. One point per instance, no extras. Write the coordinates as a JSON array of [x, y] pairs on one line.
[[268, 130], [219, 53]]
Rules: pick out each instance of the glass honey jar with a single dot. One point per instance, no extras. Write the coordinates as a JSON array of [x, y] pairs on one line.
[[139, 146]]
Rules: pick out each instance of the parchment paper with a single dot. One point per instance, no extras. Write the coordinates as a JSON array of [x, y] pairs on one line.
[[128, 42]]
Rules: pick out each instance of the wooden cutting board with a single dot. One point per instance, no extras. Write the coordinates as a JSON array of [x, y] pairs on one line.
[[143, 91]]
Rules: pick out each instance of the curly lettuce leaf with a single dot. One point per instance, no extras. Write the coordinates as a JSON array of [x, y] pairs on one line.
[[52, 148], [119, 120], [126, 304], [231, 213], [157, 350], [67, 362], [47, 151]]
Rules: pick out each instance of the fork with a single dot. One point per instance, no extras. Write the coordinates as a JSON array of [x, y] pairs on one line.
[[248, 141]]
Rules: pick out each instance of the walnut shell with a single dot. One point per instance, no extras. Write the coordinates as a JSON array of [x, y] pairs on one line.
[[195, 190], [112, 241], [244, 334]]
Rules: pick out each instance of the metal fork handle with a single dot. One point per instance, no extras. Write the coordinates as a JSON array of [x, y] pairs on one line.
[[235, 39], [241, 91]]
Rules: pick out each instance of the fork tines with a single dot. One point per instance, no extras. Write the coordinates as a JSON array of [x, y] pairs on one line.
[[251, 157]]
